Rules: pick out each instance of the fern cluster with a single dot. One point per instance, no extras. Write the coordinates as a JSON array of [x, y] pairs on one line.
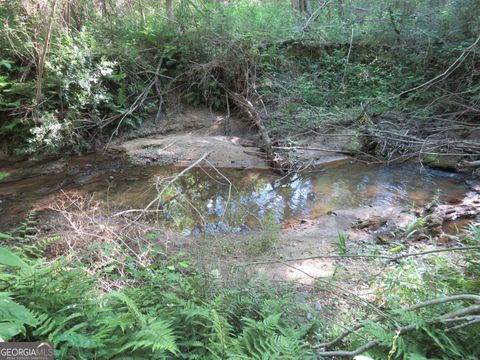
[[167, 310], [166, 314], [24, 237]]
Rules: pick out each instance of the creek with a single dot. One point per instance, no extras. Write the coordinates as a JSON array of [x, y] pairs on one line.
[[220, 200]]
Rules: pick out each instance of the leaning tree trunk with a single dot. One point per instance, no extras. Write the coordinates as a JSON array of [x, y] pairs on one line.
[[43, 55], [249, 109]]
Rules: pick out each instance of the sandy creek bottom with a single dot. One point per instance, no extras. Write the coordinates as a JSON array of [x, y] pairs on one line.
[[208, 200]]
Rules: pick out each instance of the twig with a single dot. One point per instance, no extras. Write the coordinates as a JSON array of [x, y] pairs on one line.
[[350, 354], [362, 256], [136, 104], [266, 262], [246, 105], [43, 55], [475, 320], [447, 72], [314, 16], [459, 248], [311, 149], [180, 174], [159, 91], [368, 304], [445, 318], [230, 185], [348, 58]]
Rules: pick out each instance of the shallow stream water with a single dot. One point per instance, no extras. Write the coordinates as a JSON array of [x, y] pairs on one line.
[[220, 200]]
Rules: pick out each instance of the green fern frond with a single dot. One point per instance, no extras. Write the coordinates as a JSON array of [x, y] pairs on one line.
[[37, 249], [13, 317], [157, 336], [266, 340], [122, 297]]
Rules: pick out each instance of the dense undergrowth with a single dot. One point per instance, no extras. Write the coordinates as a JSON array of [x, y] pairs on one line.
[[117, 300], [74, 73]]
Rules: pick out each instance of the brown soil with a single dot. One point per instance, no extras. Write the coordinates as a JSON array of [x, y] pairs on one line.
[[318, 239], [312, 238], [191, 132]]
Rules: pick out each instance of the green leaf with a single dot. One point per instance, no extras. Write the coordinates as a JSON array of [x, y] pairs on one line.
[[3, 175], [153, 235], [10, 259], [9, 329], [11, 105], [156, 336], [12, 312], [119, 76], [77, 340], [396, 248], [6, 64], [184, 264]]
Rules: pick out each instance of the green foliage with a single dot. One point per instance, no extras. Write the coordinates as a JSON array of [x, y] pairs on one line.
[[168, 312], [261, 244], [101, 62], [416, 280], [13, 317], [3, 175], [269, 339], [23, 238], [473, 259], [10, 259], [341, 244], [266, 240], [413, 227]]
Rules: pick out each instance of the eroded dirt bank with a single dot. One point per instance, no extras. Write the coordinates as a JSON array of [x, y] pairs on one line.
[[231, 141]]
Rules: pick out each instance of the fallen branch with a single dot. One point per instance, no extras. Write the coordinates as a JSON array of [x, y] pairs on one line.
[[312, 149], [361, 256], [136, 104], [314, 16], [349, 293], [447, 72], [471, 163], [247, 107], [160, 194], [475, 320], [459, 248], [452, 316]]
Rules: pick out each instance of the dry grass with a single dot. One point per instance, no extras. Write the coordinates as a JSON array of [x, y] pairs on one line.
[[92, 236]]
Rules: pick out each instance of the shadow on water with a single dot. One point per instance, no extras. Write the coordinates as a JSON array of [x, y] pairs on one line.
[[227, 200]]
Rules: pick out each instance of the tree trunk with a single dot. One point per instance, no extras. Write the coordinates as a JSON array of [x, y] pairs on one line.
[[169, 8], [43, 55], [303, 6]]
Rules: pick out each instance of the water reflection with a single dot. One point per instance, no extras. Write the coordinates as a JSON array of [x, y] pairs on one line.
[[203, 201], [236, 200]]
